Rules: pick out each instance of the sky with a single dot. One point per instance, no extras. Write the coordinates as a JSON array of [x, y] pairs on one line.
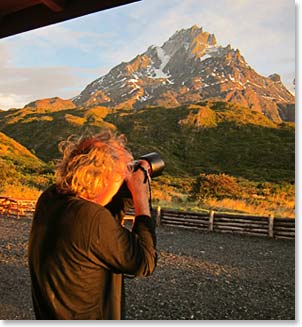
[[61, 59]]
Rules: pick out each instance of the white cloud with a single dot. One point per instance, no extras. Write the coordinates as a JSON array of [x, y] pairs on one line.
[[20, 85], [53, 61], [12, 101], [57, 36], [263, 30], [21, 82]]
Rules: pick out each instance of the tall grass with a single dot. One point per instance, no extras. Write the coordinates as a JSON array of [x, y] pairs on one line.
[[260, 199], [19, 191], [245, 206]]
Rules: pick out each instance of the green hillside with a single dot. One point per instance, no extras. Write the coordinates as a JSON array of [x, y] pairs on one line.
[[20, 170], [212, 138], [41, 131], [211, 142]]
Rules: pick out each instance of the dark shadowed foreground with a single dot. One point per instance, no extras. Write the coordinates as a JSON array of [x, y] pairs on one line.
[[199, 276]]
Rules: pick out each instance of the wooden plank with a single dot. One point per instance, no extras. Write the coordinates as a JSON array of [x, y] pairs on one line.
[[54, 5], [226, 215], [282, 224], [242, 221], [243, 233], [197, 221], [286, 220], [185, 218], [291, 233], [242, 229], [236, 224], [179, 223], [186, 213], [284, 228], [285, 237], [246, 228], [190, 228]]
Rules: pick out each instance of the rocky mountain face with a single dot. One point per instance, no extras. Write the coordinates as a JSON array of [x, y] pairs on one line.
[[189, 68]]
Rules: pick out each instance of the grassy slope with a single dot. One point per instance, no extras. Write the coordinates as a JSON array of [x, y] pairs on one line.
[[211, 137], [21, 172], [41, 132], [252, 148]]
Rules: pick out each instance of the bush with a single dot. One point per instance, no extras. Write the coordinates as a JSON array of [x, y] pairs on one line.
[[215, 186], [8, 172]]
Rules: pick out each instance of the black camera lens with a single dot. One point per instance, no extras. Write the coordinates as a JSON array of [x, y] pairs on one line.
[[156, 164]]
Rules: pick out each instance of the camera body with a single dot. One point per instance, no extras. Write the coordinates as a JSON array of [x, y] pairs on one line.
[[155, 162], [156, 165]]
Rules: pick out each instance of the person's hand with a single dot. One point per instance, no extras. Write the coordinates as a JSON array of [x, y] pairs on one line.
[[139, 190]]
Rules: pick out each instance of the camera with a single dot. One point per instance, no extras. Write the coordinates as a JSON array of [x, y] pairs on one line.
[[156, 165], [122, 200], [155, 162]]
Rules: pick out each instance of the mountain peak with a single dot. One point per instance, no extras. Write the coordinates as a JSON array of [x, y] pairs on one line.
[[189, 67], [193, 39]]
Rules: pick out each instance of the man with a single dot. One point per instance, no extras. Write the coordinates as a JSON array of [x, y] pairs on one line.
[[78, 250]]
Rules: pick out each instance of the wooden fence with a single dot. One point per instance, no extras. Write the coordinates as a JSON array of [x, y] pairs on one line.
[[232, 223], [16, 207], [211, 221]]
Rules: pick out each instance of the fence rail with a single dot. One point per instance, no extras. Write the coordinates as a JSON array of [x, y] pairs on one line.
[[16, 207], [225, 222], [232, 223], [211, 221]]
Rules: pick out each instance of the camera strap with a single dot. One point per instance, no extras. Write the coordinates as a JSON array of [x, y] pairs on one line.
[[147, 178], [146, 173]]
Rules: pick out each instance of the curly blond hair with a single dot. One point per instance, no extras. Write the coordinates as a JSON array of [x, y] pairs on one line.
[[91, 163]]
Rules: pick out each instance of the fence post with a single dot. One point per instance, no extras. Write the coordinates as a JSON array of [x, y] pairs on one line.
[[17, 209], [271, 225], [158, 215], [211, 220]]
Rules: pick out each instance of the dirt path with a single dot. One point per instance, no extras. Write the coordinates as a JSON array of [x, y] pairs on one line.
[[199, 276]]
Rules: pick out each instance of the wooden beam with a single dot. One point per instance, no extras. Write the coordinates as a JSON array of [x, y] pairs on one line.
[[39, 15], [15, 6], [54, 5]]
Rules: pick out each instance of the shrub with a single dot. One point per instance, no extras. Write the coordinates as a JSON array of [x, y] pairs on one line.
[[215, 186]]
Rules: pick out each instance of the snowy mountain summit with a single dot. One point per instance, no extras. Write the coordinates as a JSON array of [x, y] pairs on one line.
[[189, 68]]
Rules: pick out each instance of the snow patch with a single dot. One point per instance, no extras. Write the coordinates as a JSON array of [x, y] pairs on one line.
[[268, 97], [249, 82], [204, 57], [164, 58], [132, 80], [134, 89], [211, 50], [99, 81], [144, 98]]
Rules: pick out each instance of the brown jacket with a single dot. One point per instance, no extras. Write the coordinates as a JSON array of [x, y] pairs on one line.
[[78, 253]]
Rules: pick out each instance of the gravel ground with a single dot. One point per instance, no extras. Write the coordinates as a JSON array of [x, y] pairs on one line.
[[200, 275]]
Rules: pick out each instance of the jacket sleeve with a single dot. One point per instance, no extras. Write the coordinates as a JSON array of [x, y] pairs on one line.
[[120, 250]]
